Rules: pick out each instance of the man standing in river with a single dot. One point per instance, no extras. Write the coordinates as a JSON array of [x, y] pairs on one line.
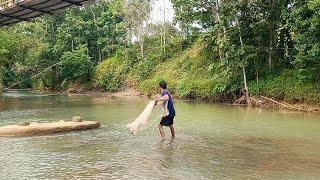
[[167, 119]]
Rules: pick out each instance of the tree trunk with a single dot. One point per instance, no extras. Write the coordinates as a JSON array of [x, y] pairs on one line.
[[257, 73], [141, 43], [246, 86], [164, 41], [1, 79], [271, 34], [243, 69], [257, 79], [141, 47], [88, 46], [161, 41], [72, 45], [102, 54], [164, 27], [99, 54], [216, 14]]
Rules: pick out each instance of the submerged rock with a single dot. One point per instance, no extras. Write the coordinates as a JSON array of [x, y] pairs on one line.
[[23, 124], [76, 119]]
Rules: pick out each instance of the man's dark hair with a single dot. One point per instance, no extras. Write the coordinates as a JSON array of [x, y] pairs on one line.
[[163, 84]]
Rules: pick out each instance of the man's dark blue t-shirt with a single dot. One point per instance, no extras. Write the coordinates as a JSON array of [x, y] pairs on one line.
[[171, 109]]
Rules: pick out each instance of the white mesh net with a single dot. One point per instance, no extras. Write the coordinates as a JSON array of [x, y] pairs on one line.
[[143, 118]]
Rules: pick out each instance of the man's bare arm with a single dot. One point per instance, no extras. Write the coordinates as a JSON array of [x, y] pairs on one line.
[[163, 98]]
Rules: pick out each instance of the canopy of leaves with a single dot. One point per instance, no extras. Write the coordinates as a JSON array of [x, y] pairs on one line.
[[76, 66]]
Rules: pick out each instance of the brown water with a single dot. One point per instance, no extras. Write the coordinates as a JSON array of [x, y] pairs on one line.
[[213, 142]]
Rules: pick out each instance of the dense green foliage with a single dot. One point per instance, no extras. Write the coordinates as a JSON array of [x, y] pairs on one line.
[[109, 75], [287, 87], [306, 20], [222, 50], [76, 66], [1, 79]]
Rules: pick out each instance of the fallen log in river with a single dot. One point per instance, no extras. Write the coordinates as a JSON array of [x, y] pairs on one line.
[[32, 129]]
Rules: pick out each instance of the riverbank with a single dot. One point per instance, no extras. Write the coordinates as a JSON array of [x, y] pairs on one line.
[[257, 101], [266, 102]]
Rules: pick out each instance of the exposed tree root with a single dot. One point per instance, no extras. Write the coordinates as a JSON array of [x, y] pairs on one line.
[[263, 101]]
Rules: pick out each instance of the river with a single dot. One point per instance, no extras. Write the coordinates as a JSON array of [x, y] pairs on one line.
[[213, 141]]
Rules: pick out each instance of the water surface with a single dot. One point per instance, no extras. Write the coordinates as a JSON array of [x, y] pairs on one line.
[[213, 141]]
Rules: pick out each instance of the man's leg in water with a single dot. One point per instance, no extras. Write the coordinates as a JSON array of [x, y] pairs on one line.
[[161, 131], [172, 131]]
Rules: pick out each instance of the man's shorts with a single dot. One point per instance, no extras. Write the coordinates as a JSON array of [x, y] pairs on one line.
[[167, 120]]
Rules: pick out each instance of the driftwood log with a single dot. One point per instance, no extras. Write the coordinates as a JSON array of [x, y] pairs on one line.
[[269, 102], [33, 129]]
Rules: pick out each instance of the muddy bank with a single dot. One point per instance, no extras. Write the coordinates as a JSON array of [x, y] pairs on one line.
[[257, 101]]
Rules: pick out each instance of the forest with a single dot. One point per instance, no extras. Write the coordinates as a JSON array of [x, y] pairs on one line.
[[220, 50]]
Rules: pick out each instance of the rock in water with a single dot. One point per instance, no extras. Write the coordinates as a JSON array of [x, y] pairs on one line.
[[23, 124], [76, 119]]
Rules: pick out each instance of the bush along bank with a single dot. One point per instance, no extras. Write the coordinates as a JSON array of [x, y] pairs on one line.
[[1, 79], [191, 75], [187, 74]]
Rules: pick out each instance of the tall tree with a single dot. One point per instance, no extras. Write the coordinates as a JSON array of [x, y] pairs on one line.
[[137, 14], [306, 34]]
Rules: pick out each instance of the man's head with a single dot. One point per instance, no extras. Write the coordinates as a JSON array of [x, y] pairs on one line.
[[163, 85]]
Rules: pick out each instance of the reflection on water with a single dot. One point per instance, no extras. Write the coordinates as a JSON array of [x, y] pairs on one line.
[[213, 142]]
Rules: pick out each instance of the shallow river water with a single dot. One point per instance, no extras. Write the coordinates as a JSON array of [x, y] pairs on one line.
[[213, 141]]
